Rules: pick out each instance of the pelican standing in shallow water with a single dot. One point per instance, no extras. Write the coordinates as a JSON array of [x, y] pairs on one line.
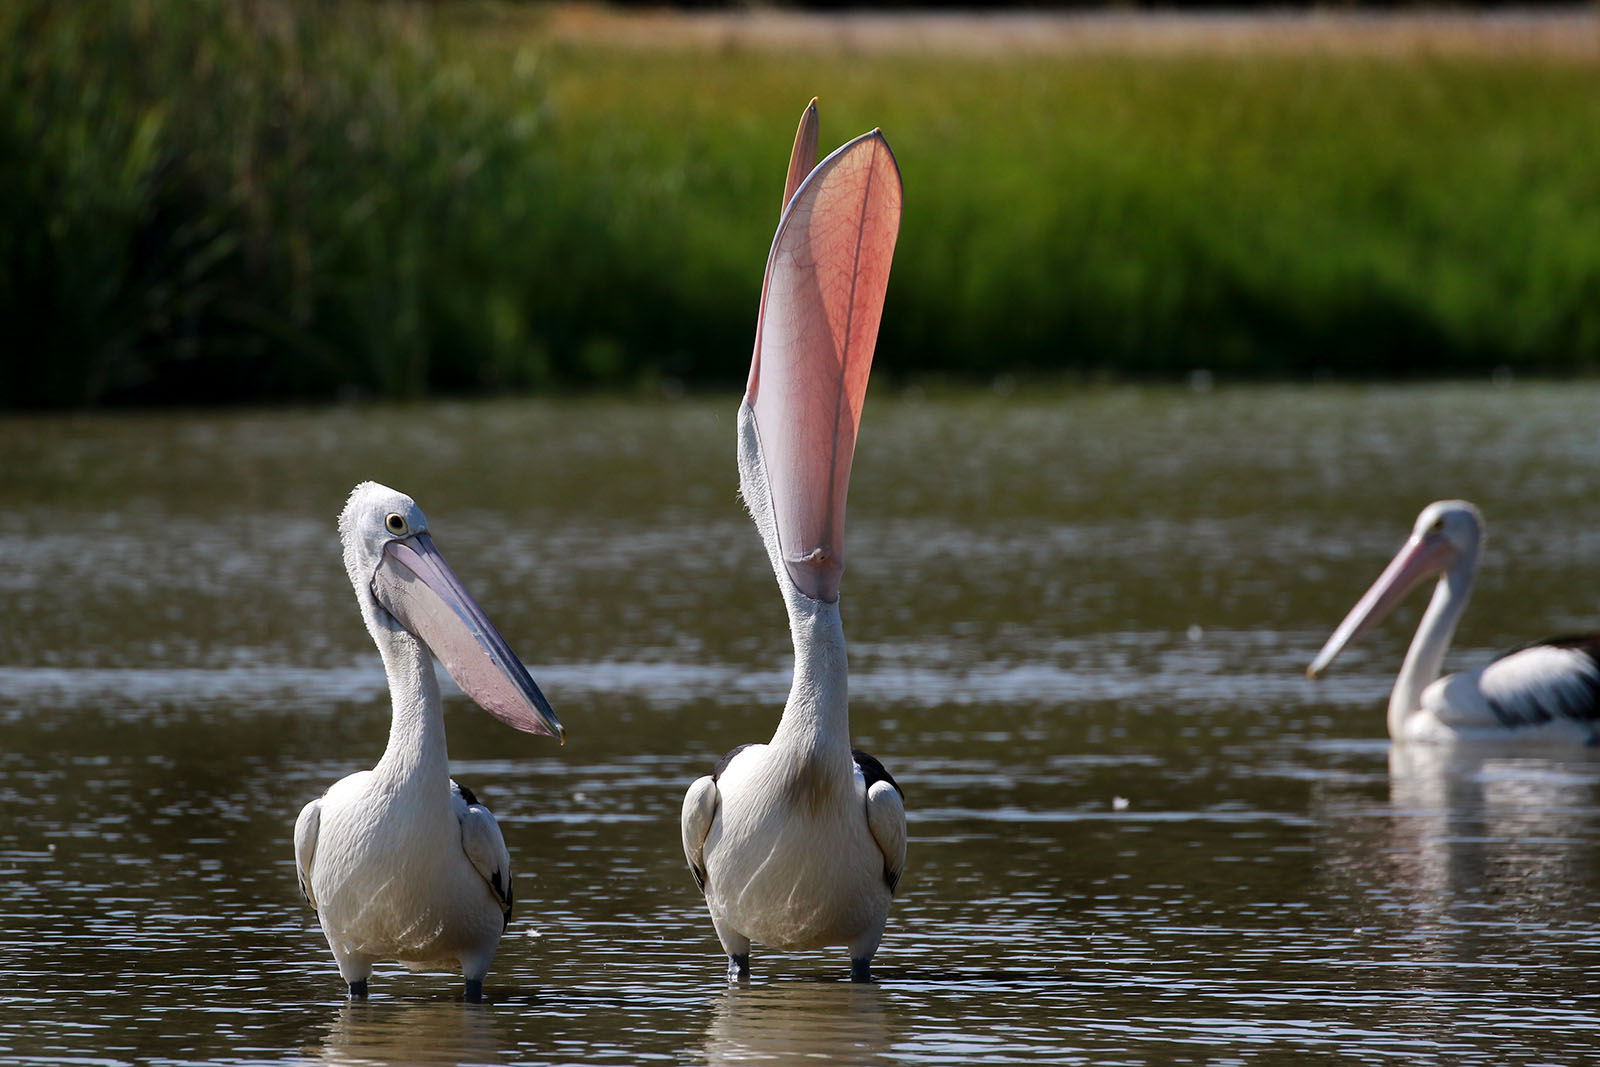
[[1546, 691], [400, 862], [799, 843]]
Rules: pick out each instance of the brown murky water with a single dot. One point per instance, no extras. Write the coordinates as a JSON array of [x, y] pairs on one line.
[[1053, 600]]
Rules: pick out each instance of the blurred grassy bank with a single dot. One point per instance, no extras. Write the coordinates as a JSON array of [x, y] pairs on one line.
[[246, 201]]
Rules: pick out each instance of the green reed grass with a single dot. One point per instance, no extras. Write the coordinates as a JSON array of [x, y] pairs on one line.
[[248, 200]]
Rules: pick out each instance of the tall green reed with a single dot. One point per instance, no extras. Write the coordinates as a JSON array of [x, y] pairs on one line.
[[242, 200], [245, 200]]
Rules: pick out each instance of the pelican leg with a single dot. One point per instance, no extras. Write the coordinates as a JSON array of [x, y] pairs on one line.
[[474, 968], [354, 968], [737, 946], [862, 949]]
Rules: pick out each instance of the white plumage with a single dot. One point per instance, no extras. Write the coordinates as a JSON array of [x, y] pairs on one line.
[[1546, 691], [788, 841], [400, 862], [800, 842]]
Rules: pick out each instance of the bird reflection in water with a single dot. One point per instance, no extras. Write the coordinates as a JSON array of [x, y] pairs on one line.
[[795, 1022], [1485, 819], [424, 1034], [1465, 826]]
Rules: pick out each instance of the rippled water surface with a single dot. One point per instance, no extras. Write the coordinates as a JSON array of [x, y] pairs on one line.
[[1078, 627]]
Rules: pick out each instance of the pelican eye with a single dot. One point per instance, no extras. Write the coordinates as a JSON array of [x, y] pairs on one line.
[[1437, 527], [395, 523]]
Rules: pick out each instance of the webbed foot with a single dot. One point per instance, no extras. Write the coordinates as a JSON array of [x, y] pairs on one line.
[[861, 970], [474, 993], [358, 990], [739, 968]]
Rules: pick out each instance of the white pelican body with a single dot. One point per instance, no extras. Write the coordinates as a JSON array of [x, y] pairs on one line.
[[1548, 691], [400, 862], [800, 842]]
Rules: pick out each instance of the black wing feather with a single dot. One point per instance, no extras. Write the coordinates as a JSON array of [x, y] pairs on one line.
[[1585, 643], [873, 771], [506, 893], [1579, 701]]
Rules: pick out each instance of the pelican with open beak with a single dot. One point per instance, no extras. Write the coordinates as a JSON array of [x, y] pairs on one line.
[[400, 862], [800, 842]]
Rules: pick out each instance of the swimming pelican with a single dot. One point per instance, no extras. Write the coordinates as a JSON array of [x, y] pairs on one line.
[[1545, 691], [400, 862], [799, 843]]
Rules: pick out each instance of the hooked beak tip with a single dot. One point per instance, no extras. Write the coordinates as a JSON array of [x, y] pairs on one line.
[[1312, 672]]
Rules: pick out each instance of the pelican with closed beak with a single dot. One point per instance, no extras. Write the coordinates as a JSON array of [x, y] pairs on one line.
[[1547, 691], [400, 862]]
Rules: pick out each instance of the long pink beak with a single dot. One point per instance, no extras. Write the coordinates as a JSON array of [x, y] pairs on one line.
[[821, 303], [415, 585], [803, 157], [1423, 556]]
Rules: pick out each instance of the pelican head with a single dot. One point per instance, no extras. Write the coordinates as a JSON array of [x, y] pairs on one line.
[[405, 586], [821, 304], [1446, 535]]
